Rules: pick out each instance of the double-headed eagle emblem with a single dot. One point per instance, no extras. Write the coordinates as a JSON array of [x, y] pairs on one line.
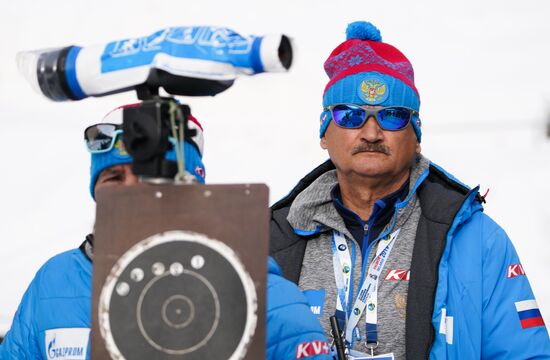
[[373, 90], [119, 145]]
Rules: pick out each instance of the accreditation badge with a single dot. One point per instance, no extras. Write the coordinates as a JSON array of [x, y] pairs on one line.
[[357, 355]]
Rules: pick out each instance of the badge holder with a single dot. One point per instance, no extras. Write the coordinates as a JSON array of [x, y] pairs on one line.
[[370, 347], [180, 272]]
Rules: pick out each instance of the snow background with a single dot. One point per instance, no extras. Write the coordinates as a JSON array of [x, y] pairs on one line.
[[481, 68]]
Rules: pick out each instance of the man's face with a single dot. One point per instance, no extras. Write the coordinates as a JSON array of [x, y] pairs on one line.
[[118, 175], [370, 151]]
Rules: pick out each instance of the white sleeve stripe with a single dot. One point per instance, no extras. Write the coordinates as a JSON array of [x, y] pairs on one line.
[[449, 329], [442, 321], [446, 326], [526, 305]]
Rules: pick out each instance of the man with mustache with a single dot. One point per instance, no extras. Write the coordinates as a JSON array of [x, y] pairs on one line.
[[389, 242]]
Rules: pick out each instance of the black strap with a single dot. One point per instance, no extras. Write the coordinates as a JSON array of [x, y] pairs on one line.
[[87, 247]]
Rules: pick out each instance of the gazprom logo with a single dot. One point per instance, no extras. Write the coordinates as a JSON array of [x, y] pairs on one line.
[[67, 344], [51, 346], [63, 352]]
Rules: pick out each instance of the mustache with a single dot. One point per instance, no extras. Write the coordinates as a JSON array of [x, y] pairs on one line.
[[370, 147]]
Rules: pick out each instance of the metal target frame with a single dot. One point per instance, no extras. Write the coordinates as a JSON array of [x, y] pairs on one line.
[[170, 236]]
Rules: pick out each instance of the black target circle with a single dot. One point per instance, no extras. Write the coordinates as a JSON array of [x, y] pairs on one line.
[[178, 295]]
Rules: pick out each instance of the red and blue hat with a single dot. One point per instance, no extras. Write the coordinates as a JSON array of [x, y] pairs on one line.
[[363, 70], [193, 151]]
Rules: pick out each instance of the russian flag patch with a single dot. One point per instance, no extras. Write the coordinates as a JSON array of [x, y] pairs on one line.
[[529, 314]]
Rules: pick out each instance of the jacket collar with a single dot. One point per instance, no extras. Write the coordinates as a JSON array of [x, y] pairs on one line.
[[312, 210]]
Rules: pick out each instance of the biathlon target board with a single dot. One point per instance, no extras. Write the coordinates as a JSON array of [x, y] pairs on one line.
[[179, 272], [178, 294]]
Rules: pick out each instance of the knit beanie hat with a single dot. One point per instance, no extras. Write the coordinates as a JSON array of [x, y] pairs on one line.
[[365, 71], [117, 155]]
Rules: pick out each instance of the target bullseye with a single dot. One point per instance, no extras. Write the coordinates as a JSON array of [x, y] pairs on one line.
[[178, 311]]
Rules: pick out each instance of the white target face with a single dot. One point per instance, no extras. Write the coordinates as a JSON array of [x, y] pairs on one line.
[[178, 295]]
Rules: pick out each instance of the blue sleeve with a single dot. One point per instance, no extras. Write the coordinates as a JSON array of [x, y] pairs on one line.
[[21, 341], [512, 326], [293, 332]]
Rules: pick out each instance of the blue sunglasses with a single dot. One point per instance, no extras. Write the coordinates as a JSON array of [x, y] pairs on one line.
[[101, 138], [392, 118]]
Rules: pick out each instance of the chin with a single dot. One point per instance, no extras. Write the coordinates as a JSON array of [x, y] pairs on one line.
[[371, 165], [371, 171]]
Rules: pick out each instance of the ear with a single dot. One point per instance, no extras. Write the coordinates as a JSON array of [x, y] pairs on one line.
[[418, 148], [323, 143]]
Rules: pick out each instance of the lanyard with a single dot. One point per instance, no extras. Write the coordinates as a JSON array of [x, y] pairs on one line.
[[342, 264], [368, 293]]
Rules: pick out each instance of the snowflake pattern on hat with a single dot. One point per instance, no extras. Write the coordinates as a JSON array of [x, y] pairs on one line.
[[362, 53]]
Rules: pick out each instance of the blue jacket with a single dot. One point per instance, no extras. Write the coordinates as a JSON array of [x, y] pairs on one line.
[[468, 297], [53, 319], [484, 306]]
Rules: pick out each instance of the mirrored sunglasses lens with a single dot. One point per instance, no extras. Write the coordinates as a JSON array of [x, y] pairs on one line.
[[394, 118], [100, 137], [348, 117]]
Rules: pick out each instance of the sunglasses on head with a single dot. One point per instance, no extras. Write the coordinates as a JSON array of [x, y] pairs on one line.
[[392, 118], [101, 138]]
